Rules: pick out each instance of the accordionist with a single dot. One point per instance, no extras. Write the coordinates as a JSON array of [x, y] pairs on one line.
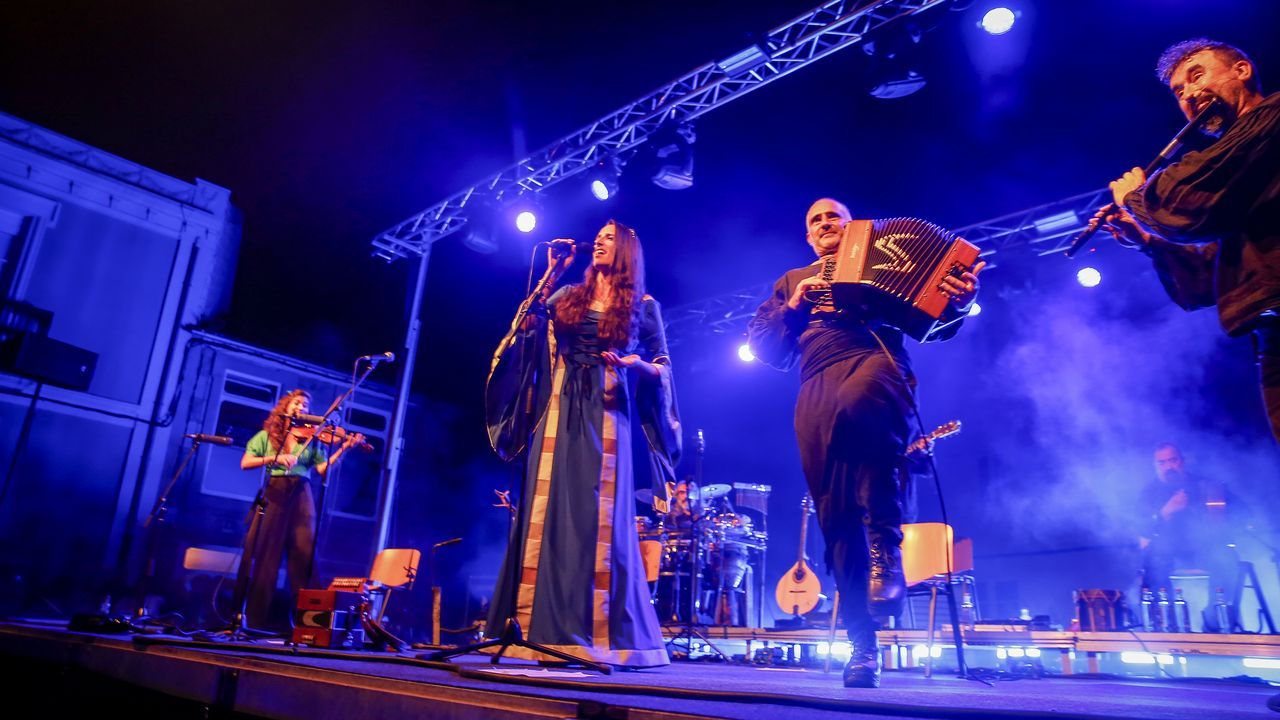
[[852, 423]]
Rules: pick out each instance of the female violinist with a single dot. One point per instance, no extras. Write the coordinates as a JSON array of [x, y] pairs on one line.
[[289, 521]]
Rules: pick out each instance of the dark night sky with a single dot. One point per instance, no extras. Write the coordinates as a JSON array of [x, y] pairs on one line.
[[332, 121]]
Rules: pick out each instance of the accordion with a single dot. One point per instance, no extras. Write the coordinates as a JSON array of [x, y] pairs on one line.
[[892, 270]]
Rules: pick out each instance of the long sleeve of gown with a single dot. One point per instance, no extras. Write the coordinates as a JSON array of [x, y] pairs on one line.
[[656, 403], [774, 331]]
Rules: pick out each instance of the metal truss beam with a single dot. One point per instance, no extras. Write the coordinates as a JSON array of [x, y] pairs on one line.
[[1043, 230], [822, 31]]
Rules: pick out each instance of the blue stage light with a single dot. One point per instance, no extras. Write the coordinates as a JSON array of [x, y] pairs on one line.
[[1088, 277], [526, 221], [600, 190], [998, 21], [975, 309], [745, 354]]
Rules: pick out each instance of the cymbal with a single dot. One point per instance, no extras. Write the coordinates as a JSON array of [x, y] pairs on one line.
[[711, 492]]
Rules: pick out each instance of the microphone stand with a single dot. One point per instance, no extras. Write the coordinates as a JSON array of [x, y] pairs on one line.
[[156, 517], [511, 633], [1165, 156], [324, 477]]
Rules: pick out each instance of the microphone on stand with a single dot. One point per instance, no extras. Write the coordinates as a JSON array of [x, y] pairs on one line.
[[303, 418], [380, 357], [215, 439]]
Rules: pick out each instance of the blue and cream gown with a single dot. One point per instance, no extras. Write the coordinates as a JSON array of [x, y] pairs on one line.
[[573, 567]]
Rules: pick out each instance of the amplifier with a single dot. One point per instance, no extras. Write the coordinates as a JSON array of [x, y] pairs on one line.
[[329, 619]]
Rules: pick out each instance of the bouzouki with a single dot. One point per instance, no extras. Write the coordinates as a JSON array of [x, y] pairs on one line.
[[798, 590], [923, 443]]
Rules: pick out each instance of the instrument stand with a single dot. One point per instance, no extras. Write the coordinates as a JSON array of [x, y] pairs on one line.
[[511, 634], [690, 628]]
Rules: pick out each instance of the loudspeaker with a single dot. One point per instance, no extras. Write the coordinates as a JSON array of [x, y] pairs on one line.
[[50, 361]]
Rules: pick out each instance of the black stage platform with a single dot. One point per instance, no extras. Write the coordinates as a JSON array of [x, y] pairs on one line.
[[171, 677]]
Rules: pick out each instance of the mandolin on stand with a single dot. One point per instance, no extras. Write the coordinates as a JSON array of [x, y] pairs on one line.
[[799, 589]]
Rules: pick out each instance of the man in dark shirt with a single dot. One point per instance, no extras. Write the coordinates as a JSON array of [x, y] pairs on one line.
[[1211, 221], [1187, 523], [852, 424]]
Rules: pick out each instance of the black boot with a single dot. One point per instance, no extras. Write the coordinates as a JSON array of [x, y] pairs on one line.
[[887, 588], [863, 668]]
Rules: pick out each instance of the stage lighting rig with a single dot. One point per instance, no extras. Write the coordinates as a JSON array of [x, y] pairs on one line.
[[891, 65], [481, 235], [672, 147], [604, 178]]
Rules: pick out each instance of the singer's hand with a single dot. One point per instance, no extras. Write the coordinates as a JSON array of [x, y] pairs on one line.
[[560, 254], [1126, 184]]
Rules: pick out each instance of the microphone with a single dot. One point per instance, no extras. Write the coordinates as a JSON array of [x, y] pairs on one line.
[[381, 357], [215, 439], [303, 418], [563, 246]]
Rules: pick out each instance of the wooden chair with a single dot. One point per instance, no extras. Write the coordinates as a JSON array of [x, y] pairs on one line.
[[933, 562]]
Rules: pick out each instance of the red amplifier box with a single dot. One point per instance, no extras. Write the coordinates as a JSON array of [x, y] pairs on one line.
[[329, 619]]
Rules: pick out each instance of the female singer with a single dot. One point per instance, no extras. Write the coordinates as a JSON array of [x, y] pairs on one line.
[[288, 524], [591, 358]]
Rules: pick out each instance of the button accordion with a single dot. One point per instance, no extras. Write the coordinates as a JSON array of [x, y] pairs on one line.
[[892, 270]]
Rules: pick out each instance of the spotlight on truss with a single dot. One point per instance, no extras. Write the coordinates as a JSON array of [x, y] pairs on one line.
[[1088, 277], [890, 69], [526, 221], [998, 21], [672, 148], [604, 178], [480, 233], [745, 354]]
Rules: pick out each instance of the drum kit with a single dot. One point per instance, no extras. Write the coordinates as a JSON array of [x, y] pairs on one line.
[[704, 559]]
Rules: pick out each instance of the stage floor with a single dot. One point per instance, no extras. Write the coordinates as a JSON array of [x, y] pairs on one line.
[[271, 680]]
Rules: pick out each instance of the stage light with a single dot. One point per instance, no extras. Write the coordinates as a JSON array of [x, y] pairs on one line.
[[480, 231], [526, 221], [1001, 653], [1133, 657], [975, 309], [1055, 223], [604, 178], [1016, 652], [745, 354], [1033, 652], [893, 55], [1088, 277], [673, 156], [1261, 663], [998, 21], [749, 59]]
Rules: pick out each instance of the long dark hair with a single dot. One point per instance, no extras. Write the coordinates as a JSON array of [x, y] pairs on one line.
[[619, 323], [274, 424]]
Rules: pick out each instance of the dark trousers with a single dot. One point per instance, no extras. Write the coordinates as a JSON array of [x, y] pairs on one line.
[[1266, 343], [852, 427], [288, 528]]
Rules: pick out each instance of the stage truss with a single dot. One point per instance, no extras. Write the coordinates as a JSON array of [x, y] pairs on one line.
[[826, 29]]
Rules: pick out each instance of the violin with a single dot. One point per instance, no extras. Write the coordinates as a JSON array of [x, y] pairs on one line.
[[331, 436]]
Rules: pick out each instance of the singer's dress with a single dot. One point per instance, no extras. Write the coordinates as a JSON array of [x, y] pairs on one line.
[[573, 575]]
